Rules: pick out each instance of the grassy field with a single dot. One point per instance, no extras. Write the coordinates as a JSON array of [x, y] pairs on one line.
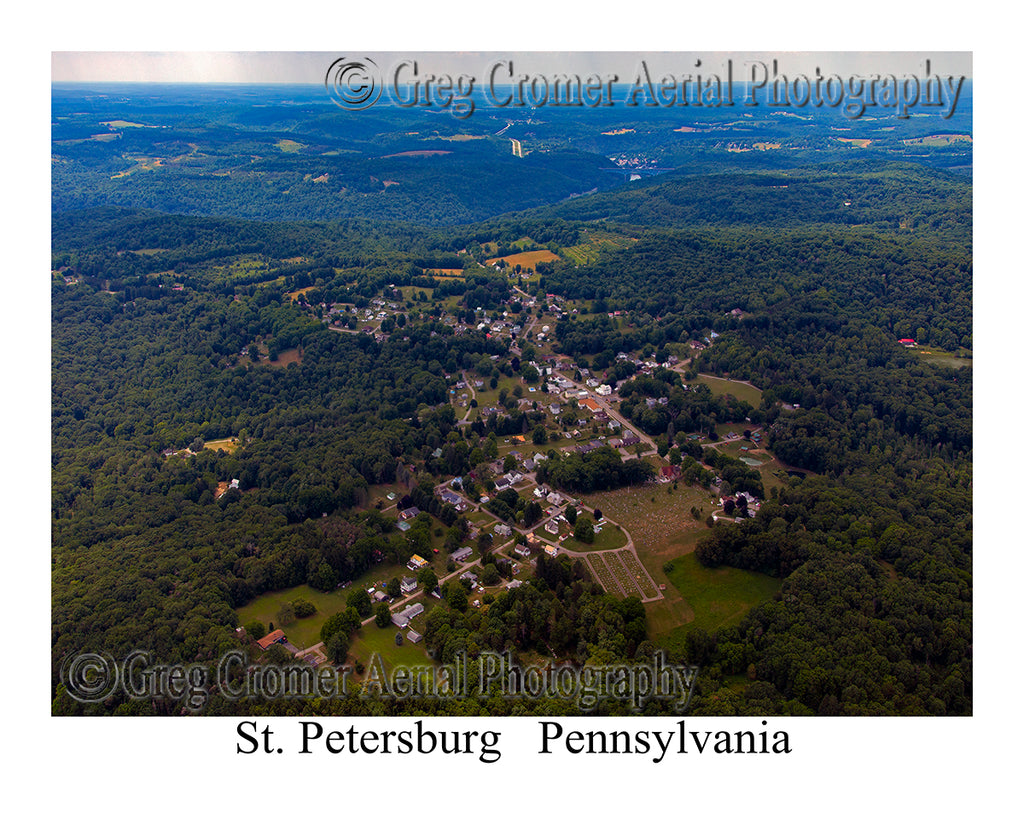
[[722, 386], [242, 266], [294, 295], [942, 358], [229, 445], [302, 633], [445, 272], [286, 357], [717, 597], [610, 537], [370, 639]]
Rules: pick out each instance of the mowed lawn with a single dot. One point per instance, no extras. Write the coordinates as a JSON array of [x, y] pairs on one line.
[[717, 597], [610, 537], [371, 639], [302, 633], [722, 386]]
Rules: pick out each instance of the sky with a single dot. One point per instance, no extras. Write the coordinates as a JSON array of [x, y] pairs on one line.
[[310, 67]]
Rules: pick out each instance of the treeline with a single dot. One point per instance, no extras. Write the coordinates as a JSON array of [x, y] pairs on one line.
[[561, 611], [593, 471], [863, 401], [682, 409]]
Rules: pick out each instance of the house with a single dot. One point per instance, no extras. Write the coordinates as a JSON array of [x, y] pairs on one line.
[[402, 618], [550, 551], [447, 496], [413, 636], [503, 529], [908, 342], [551, 527], [514, 584], [472, 578], [604, 389], [416, 563], [462, 555], [408, 514], [522, 550], [408, 584], [276, 636]]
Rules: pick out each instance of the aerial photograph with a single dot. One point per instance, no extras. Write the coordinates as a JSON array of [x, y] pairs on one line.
[[530, 384]]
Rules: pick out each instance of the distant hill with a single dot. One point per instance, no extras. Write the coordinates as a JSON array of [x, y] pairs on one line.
[[886, 196]]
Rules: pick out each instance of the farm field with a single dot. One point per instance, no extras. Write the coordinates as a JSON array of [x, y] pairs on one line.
[[595, 243], [528, 259], [938, 140]]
